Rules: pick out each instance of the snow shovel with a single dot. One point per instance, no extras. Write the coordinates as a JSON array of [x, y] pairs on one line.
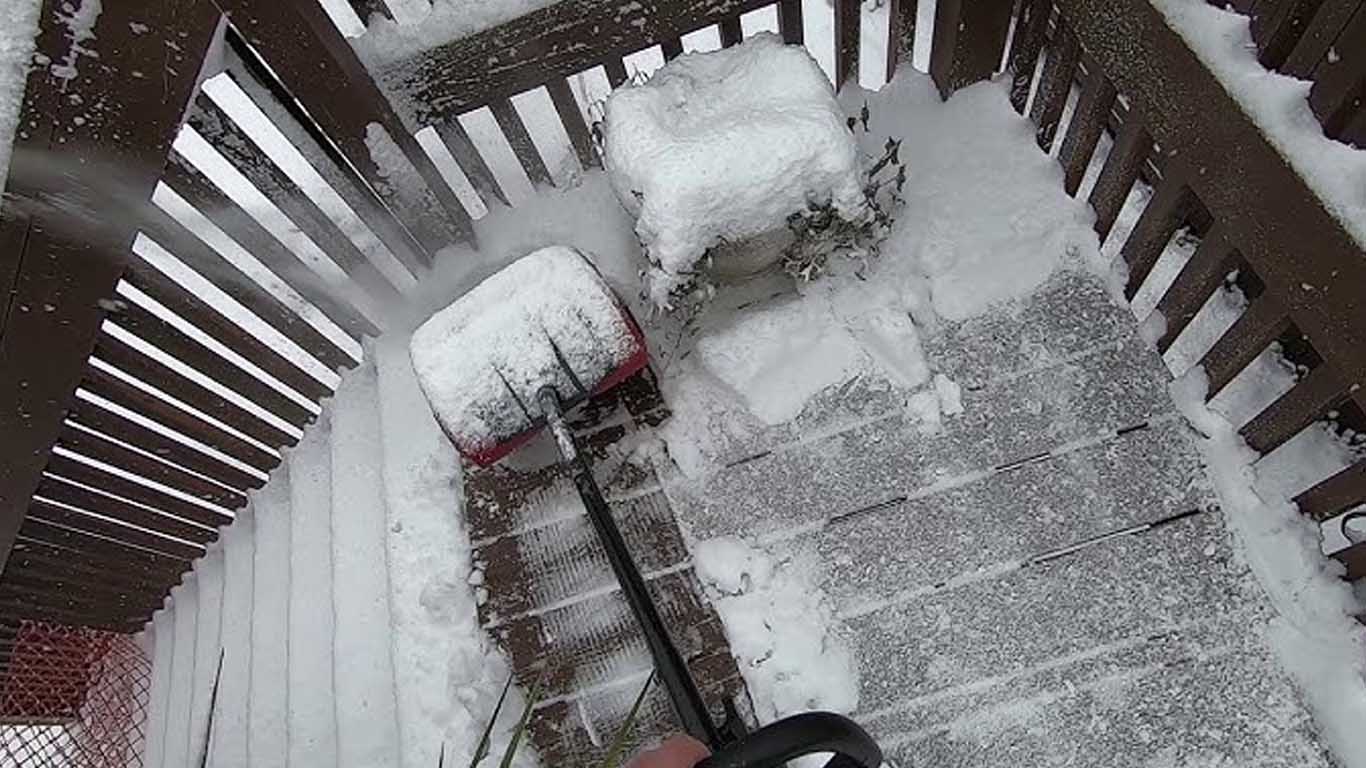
[[513, 356]]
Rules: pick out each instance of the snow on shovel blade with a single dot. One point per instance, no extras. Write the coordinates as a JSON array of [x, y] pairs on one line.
[[547, 318]]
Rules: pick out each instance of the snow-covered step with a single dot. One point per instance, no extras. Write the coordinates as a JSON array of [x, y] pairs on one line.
[[162, 633], [312, 709], [363, 669], [183, 611], [207, 650], [229, 743], [268, 723]]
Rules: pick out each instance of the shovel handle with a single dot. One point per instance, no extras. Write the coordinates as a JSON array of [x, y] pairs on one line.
[[805, 734]]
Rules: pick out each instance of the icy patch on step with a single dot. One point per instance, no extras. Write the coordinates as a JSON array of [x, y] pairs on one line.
[[780, 626]]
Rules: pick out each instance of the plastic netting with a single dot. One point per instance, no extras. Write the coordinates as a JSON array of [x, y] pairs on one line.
[[71, 696]]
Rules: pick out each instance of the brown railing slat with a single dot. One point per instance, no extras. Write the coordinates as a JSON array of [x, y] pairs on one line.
[[1059, 70], [969, 36], [171, 340], [672, 47], [846, 41], [1253, 331], [616, 71], [1165, 212], [470, 161], [28, 607], [1338, 85], [900, 33], [790, 21], [85, 474], [122, 556], [52, 513], [1306, 402], [89, 593], [41, 554], [1083, 132], [1354, 132], [731, 32], [237, 148], [163, 377], [1313, 45], [514, 130], [1336, 494], [101, 448], [1118, 174], [1354, 557], [1198, 279], [1031, 26], [122, 393], [1276, 26], [562, 96], [68, 492], [38, 568]]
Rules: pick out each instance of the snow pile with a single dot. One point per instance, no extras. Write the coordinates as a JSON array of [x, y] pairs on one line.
[[482, 360], [781, 629], [419, 25], [723, 146], [16, 46], [1278, 104]]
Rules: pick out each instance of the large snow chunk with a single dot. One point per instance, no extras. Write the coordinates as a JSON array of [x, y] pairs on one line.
[[723, 146], [547, 318]]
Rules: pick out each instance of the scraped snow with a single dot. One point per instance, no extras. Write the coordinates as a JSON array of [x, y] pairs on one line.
[[16, 49], [722, 146], [482, 360], [1278, 104]]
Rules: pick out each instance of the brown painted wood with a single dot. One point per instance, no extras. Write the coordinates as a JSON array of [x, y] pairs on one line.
[[969, 36], [562, 96], [1031, 27], [76, 521], [35, 609], [317, 66], [731, 31], [126, 395], [32, 571], [51, 589], [1322, 31], [171, 340], [237, 148], [847, 41], [615, 68], [47, 556], [1198, 279], [1354, 558], [1272, 217], [672, 47], [1117, 176], [94, 477], [1055, 84], [99, 447], [67, 492], [448, 80], [110, 160], [1340, 85], [1335, 495], [120, 555], [367, 8], [1259, 325], [471, 163], [790, 21], [1165, 212], [514, 130], [1083, 132], [901, 18], [1277, 26], [1305, 403], [163, 377], [190, 306]]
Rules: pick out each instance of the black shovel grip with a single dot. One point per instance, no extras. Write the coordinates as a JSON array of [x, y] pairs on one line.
[[804, 734]]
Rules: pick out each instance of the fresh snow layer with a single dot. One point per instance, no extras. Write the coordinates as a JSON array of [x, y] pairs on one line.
[[1278, 104], [16, 48], [482, 360], [722, 146]]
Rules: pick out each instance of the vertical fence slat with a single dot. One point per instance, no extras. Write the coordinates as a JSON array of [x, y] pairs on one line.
[[846, 41], [1054, 86], [1253, 331], [514, 130], [1154, 229], [1338, 85], [1088, 122], [672, 46], [470, 161], [1117, 176], [64, 466], [1306, 402], [731, 31], [616, 71], [1198, 279], [1336, 494], [969, 36], [900, 33], [790, 21], [1030, 28], [1313, 45], [562, 96]]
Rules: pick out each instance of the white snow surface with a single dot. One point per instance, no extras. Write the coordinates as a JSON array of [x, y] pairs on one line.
[[1278, 104], [16, 48], [723, 146], [508, 329]]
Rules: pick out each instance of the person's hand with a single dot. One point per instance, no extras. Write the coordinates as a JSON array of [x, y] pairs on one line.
[[676, 752]]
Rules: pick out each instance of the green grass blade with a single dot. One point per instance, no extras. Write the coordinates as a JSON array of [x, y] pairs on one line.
[[613, 757], [482, 750], [521, 725]]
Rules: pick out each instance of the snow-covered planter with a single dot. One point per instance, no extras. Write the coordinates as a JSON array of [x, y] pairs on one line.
[[721, 148]]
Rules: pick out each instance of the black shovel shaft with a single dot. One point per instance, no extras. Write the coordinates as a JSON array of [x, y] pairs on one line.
[[669, 665]]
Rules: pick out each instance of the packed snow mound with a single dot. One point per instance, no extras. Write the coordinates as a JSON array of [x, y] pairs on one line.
[[482, 360], [725, 145]]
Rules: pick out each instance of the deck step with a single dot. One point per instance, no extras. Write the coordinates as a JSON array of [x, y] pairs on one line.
[[229, 746], [268, 710]]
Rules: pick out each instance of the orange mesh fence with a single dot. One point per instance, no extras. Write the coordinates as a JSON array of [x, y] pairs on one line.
[[71, 696]]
